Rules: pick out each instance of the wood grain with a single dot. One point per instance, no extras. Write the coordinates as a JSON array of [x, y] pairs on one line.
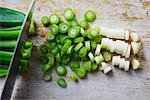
[[119, 85]]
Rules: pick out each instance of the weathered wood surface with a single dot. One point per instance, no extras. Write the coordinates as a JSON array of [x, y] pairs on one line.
[[119, 85]]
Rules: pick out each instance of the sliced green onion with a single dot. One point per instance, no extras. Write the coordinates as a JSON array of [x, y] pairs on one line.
[[98, 39], [107, 55], [54, 29], [65, 59], [63, 28], [58, 37], [52, 59], [74, 65], [74, 23], [94, 32], [98, 49], [54, 50], [23, 65], [73, 76], [61, 70], [70, 50], [92, 58], [81, 72], [47, 77], [103, 66], [61, 82], [28, 45], [83, 33], [73, 32], [87, 45], [87, 65], [63, 39], [43, 48], [99, 59], [78, 39], [82, 52], [26, 55], [94, 66], [43, 59], [68, 14], [46, 68], [54, 18], [50, 37], [83, 23], [3, 72], [66, 46], [89, 15], [52, 45], [45, 21], [78, 46], [93, 44], [58, 58]]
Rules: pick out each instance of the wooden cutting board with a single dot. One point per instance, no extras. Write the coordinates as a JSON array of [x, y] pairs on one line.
[[118, 85]]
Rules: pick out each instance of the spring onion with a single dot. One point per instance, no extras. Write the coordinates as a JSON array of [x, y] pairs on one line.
[[63, 39], [73, 32], [60, 70], [89, 15], [28, 45], [54, 18], [58, 58], [94, 31], [92, 58], [61, 82], [66, 46], [87, 65], [127, 66], [68, 14], [50, 37], [135, 47], [83, 33], [43, 59], [78, 46], [107, 55], [78, 39], [23, 65], [81, 72], [74, 23], [54, 29], [63, 28], [70, 50], [87, 45], [43, 48], [82, 52], [98, 49], [135, 64], [46, 68], [52, 59], [99, 59], [83, 23], [94, 66], [134, 37], [93, 44], [73, 76], [45, 21], [47, 77]]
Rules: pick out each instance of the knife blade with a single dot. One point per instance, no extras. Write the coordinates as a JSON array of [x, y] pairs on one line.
[[16, 58]]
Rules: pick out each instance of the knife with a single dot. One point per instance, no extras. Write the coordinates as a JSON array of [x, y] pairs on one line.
[[16, 58]]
